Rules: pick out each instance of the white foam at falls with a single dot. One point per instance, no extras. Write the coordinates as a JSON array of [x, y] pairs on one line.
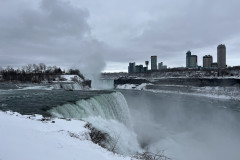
[[123, 139], [108, 113]]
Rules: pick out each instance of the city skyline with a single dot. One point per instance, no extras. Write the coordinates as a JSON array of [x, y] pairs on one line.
[[191, 62], [121, 67]]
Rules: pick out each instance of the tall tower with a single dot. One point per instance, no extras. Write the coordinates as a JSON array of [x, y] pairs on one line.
[[146, 63], [221, 56], [153, 62], [188, 57], [131, 67]]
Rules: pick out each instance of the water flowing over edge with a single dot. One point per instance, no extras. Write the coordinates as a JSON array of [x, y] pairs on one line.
[[109, 113]]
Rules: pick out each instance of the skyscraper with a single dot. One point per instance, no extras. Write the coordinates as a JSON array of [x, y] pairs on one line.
[[207, 61], [221, 56], [191, 60], [153, 62], [131, 68], [139, 68]]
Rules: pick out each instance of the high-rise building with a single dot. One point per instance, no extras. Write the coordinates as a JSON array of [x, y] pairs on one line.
[[153, 62], [139, 68], [207, 61], [221, 56], [131, 68], [191, 60]]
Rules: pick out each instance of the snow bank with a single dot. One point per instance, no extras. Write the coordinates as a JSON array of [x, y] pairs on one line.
[[71, 78], [28, 138], [126, 86], [132, 86], [37, 87]]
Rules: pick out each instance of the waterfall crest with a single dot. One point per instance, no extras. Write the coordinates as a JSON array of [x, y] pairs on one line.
[[108, 113]]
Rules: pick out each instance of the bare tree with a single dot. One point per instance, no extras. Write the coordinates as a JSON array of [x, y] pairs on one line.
[[35, 68], [29, 68], [151, 156], [42, 67]]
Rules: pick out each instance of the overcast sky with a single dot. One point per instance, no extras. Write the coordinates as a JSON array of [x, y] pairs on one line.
[[105, 35]]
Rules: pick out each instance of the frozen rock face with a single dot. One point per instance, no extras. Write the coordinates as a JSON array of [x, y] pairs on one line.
[[75, 82]]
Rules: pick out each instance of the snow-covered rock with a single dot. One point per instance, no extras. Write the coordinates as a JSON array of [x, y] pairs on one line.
[[71, 78]]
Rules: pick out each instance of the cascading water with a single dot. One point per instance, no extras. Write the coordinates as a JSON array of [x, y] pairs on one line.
[[68, 86], [108, 113]]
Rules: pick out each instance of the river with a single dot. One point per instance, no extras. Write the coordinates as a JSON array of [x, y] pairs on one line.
[[184, 126]]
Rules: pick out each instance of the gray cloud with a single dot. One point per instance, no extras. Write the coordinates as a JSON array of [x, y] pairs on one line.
[[193, 25], [77, 33], [139, 29], [54, 32]]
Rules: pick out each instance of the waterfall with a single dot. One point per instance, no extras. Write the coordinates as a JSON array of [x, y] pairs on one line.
[[108, 113]]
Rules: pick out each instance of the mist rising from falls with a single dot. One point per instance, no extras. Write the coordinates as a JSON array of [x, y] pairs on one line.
[[98, 83], [108, 113], [186, 127], [103, 84]]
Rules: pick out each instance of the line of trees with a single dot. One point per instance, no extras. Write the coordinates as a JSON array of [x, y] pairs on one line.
[[36, 73]]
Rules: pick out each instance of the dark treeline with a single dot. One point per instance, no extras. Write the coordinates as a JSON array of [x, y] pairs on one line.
[[36, 73]]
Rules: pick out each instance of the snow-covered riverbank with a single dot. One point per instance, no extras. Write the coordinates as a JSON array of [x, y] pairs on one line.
[[232, 93], [28, 138]]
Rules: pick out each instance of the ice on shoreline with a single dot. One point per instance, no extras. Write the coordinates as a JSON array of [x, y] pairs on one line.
[[228, 93], [132, 86]]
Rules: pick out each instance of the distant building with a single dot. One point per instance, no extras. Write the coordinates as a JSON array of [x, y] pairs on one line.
[[132, 68], [145, 69], [164, 67], [214, 65], [207, 61], [161, 66], [153, 62], [139, 69], [191, 60], [221, 56]]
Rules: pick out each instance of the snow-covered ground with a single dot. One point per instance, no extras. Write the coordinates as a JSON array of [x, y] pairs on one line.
[[71, 78], [29, 138]]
